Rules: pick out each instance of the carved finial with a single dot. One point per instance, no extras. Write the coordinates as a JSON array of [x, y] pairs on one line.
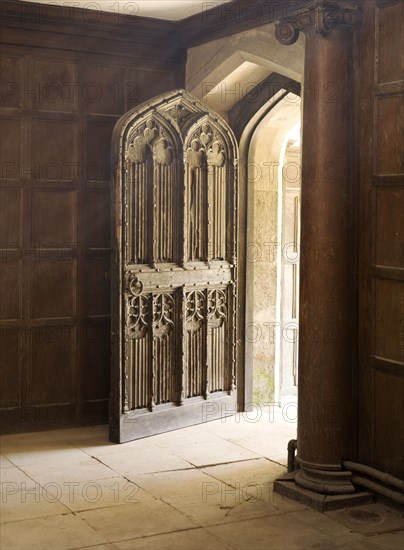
[[319, 16]]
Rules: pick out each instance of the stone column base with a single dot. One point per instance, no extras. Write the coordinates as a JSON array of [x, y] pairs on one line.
[[287, 487], [327, 482]]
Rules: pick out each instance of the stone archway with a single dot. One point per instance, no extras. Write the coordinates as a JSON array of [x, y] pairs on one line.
[[265, 273]]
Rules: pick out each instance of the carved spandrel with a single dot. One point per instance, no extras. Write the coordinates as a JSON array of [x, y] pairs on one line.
[[179, 114], [137, 317], [195, 309], [163, 315], [319, 16], [217, 308]]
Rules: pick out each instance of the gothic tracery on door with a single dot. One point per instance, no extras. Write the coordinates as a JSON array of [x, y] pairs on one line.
[[174, 268]]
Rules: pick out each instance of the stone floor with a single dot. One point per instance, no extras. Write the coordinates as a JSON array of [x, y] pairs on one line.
[[205, 487]]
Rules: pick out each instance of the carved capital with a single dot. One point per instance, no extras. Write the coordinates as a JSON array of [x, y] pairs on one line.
[[319, 16]]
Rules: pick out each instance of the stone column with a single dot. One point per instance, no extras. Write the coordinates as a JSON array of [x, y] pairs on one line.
[[327, 322]]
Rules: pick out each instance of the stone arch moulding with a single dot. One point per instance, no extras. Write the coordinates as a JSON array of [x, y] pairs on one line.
[[175, 359]]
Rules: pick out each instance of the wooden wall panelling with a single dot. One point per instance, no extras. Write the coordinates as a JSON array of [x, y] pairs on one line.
[[388, 292], [389, 406], [65, 82], [381, 372]]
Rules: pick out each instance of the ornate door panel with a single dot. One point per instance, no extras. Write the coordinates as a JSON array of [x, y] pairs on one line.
[[174, 268]]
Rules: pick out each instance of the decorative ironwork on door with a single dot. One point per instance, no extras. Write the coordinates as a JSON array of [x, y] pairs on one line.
[[174, 267]]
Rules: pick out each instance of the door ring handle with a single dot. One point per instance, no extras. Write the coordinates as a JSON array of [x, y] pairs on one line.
[[135, 286]]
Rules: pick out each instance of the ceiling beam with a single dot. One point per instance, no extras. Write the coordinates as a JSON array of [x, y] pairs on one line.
[[220, 20]]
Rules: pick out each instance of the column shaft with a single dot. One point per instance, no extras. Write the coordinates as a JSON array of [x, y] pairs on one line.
[[327, 309]]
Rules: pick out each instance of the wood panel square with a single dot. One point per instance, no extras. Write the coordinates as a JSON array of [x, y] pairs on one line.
[[97, 218], [104, 90], [56, 85], [10, 368], [391, 43], [11, 149], [53, 286], [99, 135], [97, 289], [54, 217], [389, 319], [55, 150], [10, 218], [97, 353], [11, 67], [147, 84], [53, 358], [10, 288], [390, 135], [390, 227], [389, 412]]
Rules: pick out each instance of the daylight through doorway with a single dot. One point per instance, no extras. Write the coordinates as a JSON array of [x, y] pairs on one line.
[[273, 244]]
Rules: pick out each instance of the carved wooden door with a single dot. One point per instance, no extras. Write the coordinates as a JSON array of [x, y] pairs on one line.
[[174, 268]]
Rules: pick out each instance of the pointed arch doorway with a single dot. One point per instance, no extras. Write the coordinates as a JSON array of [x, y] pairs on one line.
[[175, 359], [270, 174]]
